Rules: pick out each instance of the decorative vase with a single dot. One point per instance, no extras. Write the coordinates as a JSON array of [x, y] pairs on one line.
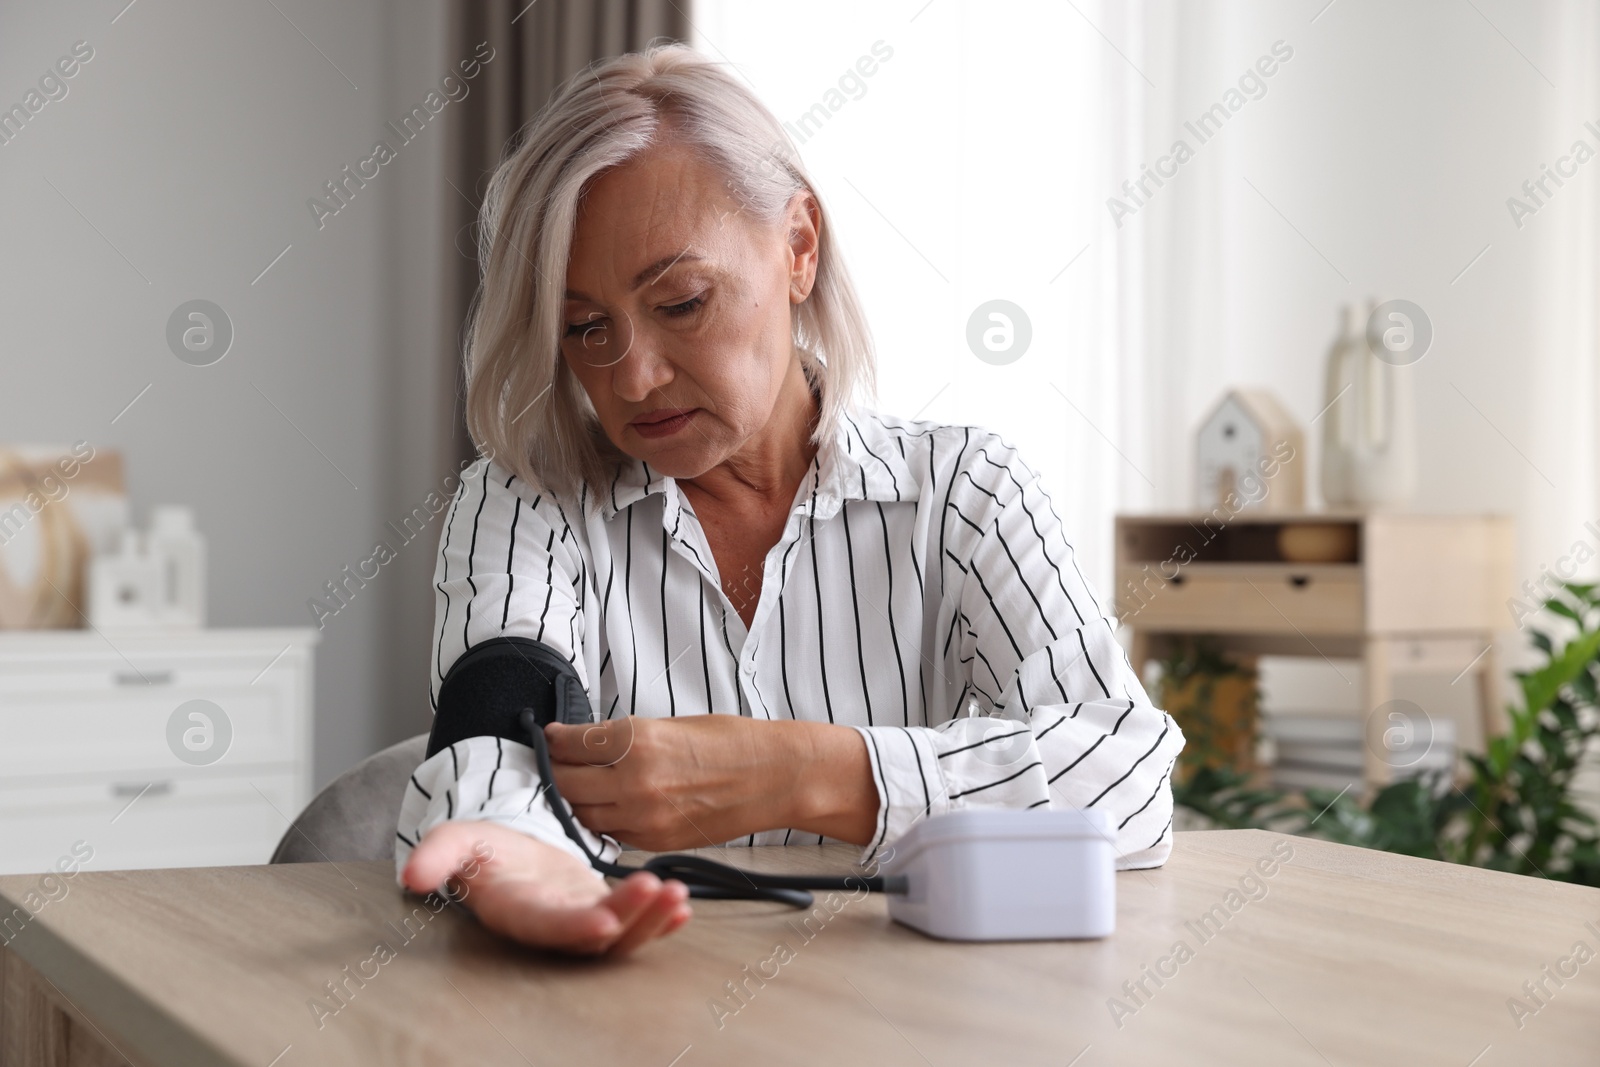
[[1369, 429]]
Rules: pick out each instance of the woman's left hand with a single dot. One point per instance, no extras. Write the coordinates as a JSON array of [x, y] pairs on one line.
[[697, 780]]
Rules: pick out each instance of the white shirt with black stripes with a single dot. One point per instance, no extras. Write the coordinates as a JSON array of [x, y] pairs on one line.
[[922, 586]]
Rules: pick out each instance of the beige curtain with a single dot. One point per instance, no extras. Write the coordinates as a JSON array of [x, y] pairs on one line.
[[538, 45]]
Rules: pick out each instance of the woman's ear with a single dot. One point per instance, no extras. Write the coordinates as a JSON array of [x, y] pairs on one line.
[[805, 241]]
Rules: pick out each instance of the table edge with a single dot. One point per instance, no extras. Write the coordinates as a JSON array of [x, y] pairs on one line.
[[141, 1023]]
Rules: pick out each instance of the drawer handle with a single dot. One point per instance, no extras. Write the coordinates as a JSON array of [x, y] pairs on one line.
[[1177, 579], [145, 678], [134, 789], [1299, 581]]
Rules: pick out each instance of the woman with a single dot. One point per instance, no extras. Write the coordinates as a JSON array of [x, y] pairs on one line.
[[781, 610]]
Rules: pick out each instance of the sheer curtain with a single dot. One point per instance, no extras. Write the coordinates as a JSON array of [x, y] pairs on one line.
[[972, 164]]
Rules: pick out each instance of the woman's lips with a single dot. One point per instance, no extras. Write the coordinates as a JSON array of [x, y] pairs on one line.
[[663, 423]]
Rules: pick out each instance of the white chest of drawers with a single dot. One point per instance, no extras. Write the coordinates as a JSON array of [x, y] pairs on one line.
[[155, 749]]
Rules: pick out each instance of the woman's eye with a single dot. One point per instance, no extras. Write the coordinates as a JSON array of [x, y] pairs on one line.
[[686, 308], [579, 329]]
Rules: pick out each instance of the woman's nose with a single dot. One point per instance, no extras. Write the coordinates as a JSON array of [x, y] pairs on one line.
[[642, 369]]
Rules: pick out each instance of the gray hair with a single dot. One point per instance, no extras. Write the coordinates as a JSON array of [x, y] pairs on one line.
[[524, 407]]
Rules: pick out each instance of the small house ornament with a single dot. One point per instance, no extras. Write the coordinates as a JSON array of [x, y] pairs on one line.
[[154, 578], [1250, 456]]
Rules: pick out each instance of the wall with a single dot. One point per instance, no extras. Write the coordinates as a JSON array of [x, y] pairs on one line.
[[178, 166]]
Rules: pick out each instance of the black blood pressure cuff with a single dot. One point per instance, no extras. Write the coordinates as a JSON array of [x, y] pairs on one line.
[[485, 691]]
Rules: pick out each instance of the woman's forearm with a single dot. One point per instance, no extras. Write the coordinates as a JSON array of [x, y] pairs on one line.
[[828, 780]]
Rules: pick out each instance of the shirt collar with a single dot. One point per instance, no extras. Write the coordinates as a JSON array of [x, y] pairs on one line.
[[860, 461]]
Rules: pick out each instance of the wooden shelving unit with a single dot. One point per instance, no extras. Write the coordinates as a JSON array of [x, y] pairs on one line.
[[1418, 594]]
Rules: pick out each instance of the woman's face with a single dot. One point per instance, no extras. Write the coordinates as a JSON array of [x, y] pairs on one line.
[[677, 310]]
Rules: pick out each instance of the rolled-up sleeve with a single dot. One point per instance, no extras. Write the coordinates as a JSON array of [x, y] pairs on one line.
[[1065, 722], [508, 565]]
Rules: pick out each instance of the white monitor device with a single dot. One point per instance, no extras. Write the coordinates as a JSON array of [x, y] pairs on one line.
[[985, 875]]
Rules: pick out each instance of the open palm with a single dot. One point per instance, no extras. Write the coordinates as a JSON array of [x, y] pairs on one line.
[[541, 895]]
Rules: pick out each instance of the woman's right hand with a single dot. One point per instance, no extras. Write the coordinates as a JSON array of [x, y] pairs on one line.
[[542, 895]]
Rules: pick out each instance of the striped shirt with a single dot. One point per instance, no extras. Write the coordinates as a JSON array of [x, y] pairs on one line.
[[922, 592]]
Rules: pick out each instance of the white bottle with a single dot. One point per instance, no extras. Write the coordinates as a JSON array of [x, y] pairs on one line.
[[181, 550]]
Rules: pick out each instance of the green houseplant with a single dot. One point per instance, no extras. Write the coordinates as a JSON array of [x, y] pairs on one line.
[[1515, 811], [1214, 700]]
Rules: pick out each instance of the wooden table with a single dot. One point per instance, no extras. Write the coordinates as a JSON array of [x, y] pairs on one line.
[[1344, 956]]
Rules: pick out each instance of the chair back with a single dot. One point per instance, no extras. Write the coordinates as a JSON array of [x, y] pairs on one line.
[[355, 816]]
